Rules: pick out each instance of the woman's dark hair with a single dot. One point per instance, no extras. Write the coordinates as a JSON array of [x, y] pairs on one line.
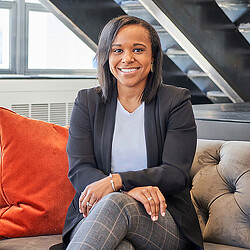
[[106, 79]]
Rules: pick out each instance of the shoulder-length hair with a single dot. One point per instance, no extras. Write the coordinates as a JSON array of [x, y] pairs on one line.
[[106, 80]]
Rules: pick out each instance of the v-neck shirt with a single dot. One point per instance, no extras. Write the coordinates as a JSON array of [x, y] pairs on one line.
[[129, 151]]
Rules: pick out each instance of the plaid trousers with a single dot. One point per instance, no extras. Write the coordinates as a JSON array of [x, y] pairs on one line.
[[120, 222]]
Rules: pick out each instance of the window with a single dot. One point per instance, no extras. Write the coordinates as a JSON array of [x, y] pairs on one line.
[[54, 46], [32, 1], [4, 38], [34, 42]]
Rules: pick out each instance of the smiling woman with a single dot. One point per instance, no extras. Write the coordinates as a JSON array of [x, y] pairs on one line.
[[130, 148]]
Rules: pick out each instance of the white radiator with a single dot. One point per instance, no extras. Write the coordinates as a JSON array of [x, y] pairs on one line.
[[58, 113]]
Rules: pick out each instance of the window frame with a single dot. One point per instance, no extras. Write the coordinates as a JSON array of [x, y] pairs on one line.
[[18, 37], [11, 6]]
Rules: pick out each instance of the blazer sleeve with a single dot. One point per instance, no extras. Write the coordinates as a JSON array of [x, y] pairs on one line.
[[82, 163], [172, 175]]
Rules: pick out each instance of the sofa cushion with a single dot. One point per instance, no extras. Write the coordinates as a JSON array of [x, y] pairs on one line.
[[221, 191], [35, 191], [213, 246], [30, 243]]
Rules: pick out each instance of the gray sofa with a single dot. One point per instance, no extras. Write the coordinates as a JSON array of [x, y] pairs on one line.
[[220, 192]]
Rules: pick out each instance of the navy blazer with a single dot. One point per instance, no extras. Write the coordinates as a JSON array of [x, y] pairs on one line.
[[170, 133]]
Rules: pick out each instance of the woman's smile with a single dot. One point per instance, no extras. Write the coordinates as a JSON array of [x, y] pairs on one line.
[[129, 70]]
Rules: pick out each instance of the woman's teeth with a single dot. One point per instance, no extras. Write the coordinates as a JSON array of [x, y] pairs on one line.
[[128, 70]]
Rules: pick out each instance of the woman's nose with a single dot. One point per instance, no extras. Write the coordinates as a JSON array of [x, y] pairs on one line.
[[127, 58]]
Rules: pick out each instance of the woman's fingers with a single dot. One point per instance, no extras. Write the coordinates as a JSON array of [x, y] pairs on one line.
[[162, 203], [82, 197], [83, 206], [86, 204], [92, 194], [148, 202], [155, 209], [159, 201], [151, 194], [151, 202], [152, 199], [89, 205]]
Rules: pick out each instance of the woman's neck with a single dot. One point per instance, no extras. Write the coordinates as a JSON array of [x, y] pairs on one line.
[[130, 98]]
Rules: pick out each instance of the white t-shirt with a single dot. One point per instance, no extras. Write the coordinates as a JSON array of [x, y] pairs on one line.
[[129, 151]]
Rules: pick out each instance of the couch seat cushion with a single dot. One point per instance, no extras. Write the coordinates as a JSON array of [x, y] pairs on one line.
[[213, 246], [31, 243]]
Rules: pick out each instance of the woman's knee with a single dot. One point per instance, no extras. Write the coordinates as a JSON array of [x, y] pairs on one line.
[[120, 202], [116, 204], [119, 199]]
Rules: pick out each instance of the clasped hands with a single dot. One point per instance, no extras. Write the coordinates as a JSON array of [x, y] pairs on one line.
[[150, 196]]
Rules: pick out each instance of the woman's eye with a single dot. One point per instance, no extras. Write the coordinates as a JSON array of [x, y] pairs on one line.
[[138, 50], [117, 50]]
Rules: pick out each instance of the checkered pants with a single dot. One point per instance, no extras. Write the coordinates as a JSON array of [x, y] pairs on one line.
[[120, 222]]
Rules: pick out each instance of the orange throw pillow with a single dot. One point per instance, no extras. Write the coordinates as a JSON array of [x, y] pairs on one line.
[[35, 192]]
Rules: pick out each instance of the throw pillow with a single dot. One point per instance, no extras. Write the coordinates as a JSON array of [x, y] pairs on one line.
[[35, 192]]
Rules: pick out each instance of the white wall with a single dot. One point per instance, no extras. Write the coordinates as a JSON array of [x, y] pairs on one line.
[[41, 90], [15, 92]]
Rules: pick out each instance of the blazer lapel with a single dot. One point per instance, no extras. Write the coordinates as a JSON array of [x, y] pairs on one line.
[[107, 132], [151, 134]]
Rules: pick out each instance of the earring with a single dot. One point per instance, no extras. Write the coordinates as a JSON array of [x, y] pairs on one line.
[[152, 67]]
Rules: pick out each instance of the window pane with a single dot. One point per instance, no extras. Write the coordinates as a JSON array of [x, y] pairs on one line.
[[33, 1], [4, 38], [51, 45]]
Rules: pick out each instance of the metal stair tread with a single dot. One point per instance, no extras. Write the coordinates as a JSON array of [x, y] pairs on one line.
[[131, 4], [244, 27], [231, 6], [216, 93], [159, 29], [176, 52], [196, 73], [232, 2]]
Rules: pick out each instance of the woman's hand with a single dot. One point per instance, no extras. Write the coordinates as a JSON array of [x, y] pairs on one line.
[[95, 191], [152, 199]]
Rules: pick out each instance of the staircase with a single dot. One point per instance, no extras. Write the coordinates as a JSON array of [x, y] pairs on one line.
[[206, 43], [234, 10]]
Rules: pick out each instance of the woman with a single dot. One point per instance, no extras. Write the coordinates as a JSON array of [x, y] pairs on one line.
[[131, 145]]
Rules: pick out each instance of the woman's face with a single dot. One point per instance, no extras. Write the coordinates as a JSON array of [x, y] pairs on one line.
[[131, 57]]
